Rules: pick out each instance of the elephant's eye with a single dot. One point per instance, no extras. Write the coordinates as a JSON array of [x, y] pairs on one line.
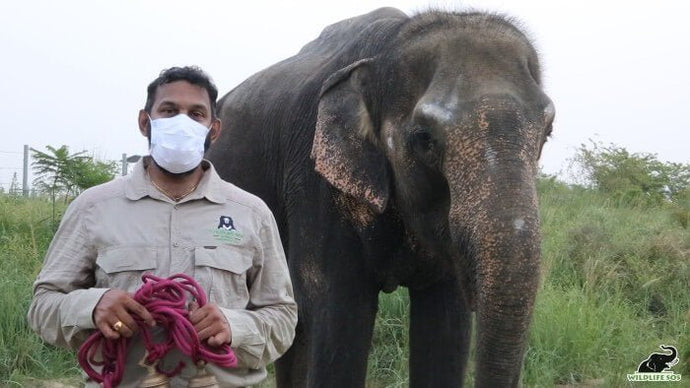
[[422, 140], [425, 146]]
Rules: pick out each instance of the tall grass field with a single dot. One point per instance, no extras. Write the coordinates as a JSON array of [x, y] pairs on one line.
[[615, 285]]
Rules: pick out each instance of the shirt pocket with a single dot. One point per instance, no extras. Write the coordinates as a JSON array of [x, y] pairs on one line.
[[222, 273], [122, 267]]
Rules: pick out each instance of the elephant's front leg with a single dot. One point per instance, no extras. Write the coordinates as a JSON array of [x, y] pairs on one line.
[[440, 328], [341, 337], [334, 333]]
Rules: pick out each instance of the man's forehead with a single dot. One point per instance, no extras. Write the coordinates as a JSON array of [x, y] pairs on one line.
[[182, 92]]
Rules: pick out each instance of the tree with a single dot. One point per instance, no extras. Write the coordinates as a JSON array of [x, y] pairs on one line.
[[54, 171], [637, 176], [91, 172], [60, 173], [678, 176]]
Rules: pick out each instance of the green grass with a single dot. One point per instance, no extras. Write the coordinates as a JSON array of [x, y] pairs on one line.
[[615, 285], [389, 358], [25, 232]]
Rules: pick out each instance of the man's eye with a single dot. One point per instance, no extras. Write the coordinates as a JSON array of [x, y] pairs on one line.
[[197, 115]]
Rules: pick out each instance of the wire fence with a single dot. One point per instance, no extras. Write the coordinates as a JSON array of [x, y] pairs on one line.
[[11, 170]]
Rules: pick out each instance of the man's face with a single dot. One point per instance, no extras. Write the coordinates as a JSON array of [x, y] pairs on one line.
[[181, 97]]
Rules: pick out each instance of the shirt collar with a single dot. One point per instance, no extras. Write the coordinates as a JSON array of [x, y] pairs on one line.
[[139, 184]]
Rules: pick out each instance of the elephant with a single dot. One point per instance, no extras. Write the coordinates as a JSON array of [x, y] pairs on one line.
[[658, 362], [400, 151]]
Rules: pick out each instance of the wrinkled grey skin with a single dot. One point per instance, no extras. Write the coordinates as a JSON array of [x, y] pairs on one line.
[[400, 151]]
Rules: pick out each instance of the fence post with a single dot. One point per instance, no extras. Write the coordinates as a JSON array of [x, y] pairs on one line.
[[124, 164], [25, 176]]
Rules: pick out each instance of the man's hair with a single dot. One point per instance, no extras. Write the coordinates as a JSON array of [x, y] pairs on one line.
[[192, 74]]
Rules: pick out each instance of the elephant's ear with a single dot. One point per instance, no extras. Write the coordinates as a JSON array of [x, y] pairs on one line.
[[343, 150]]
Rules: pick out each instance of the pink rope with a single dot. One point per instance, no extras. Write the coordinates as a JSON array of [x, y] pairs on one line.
[[166, 300]]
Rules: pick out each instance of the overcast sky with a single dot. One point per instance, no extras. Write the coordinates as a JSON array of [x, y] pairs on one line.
[[75, 71]]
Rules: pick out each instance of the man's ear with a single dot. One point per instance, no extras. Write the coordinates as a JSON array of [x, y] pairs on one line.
[[214, 130], [144, 123]]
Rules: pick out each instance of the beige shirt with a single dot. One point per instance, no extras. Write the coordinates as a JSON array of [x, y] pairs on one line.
[[113, 233]]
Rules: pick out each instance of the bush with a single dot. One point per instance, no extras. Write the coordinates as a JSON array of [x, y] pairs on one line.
[[681, 208], [637, 179]]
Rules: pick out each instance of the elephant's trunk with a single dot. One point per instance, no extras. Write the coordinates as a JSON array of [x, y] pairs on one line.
[[507, 278], [674, 353], [495, 223], [504, 251]]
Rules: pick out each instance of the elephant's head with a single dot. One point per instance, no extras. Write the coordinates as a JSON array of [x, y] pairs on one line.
[[447, 126], [658, 362]]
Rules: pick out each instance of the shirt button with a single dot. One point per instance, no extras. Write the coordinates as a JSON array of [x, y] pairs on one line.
[[176, 207], [176, 244]]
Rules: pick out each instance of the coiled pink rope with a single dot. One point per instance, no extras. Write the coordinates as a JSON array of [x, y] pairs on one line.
[[166, 300]]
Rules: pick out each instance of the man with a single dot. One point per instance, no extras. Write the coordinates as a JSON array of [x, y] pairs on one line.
[[172, 215]]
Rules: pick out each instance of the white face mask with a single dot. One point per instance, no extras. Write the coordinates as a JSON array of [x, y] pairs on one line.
[[177, 143]]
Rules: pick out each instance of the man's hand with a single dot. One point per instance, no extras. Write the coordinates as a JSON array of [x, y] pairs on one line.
[[117, 306], [210, 324]]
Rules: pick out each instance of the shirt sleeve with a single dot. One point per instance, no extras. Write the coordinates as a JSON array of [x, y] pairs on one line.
[[265, 330], [63, 302]]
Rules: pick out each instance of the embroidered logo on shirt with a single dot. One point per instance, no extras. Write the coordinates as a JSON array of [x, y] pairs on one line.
[[226, 231], [226, 223]]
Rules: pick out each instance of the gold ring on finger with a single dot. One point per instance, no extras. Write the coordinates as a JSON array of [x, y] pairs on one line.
[[117, 326]]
